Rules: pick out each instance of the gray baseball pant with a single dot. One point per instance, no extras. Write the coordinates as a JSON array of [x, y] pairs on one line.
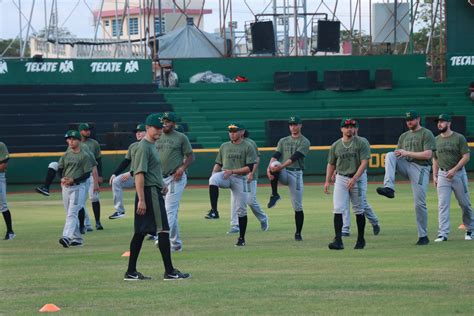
[[172, 199], [73, 199], [368, 211], [239, 188], [459, 185], [419, 178], [55, 166], [3, 193], [117, 188], [251, 202], [342, 197], [294, 180]]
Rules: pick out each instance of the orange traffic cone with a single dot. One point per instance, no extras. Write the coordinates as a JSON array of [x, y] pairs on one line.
[[126, 254], [49, 308]]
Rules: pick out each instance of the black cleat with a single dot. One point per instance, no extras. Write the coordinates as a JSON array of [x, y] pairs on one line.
[[135, 276], [117, 215], [89, 229], [390, 193], [64, 242], [42, 190], [273, 200], [298, 237], [76, 244], [82, 230], [240, 242], [422, 241], [345, 234], [9, 236], [360, 244], [336, 245], [98, 226], [376, 229], [176, 275], [212, 215]]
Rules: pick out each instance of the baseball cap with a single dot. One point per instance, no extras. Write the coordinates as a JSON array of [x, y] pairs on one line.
[[154, 119], [83, 126], [140, 128], [294, 119], [234, 126], [170, 116], [348, 122], [411, 115], [73, 133], [443, 117]]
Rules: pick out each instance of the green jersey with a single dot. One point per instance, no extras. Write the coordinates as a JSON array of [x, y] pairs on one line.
[[4, 155], [94, 147], [287, 146], [254, 145], [173, 147], [347, 157], [146, 160], [236, 156], [421, 140], [74, 164], [130, 150], [449, 150]]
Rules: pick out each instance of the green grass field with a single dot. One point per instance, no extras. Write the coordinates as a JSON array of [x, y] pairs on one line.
[[273, 274]]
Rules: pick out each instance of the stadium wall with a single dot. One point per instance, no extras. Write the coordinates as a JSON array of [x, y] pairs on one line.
[[31, 167], [261, 69]]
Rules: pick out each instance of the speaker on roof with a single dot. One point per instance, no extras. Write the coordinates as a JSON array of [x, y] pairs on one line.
[[263, 37], [329, 33]]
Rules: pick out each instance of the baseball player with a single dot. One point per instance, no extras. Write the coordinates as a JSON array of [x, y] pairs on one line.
[[150, 212], [449, 175], [74, 168], [119, 180], [252, 202], [368, 211], [291, 150], [93, 190], [176, 155], [348, 157], [412, 160], [4, 157], [234, 161]]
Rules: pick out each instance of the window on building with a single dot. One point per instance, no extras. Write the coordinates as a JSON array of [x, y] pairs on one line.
[[107, 22], [115, 26], [159, 27], [133, 26]]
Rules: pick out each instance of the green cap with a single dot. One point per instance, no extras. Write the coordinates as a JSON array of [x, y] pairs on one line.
[[140, 128], [444, 117], [348, 122], [73, 133], [234, 126], [411, 115], [170, 116], [83, 126], [294, 119], [154, 120]]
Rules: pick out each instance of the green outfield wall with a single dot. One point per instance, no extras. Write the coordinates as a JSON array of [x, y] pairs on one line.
[[404, 67], [31, 167], [75, 71]]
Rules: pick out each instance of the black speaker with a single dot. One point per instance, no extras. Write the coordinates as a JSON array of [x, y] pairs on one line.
[[383, 79], [332, 80], [263, 37], [329, 33], [295, 81], [347, 80]]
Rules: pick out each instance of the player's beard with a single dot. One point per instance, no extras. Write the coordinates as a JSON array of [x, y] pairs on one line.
[[443, 130]]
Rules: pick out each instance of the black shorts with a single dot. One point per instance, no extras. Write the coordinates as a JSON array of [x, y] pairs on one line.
[[155, 218]]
